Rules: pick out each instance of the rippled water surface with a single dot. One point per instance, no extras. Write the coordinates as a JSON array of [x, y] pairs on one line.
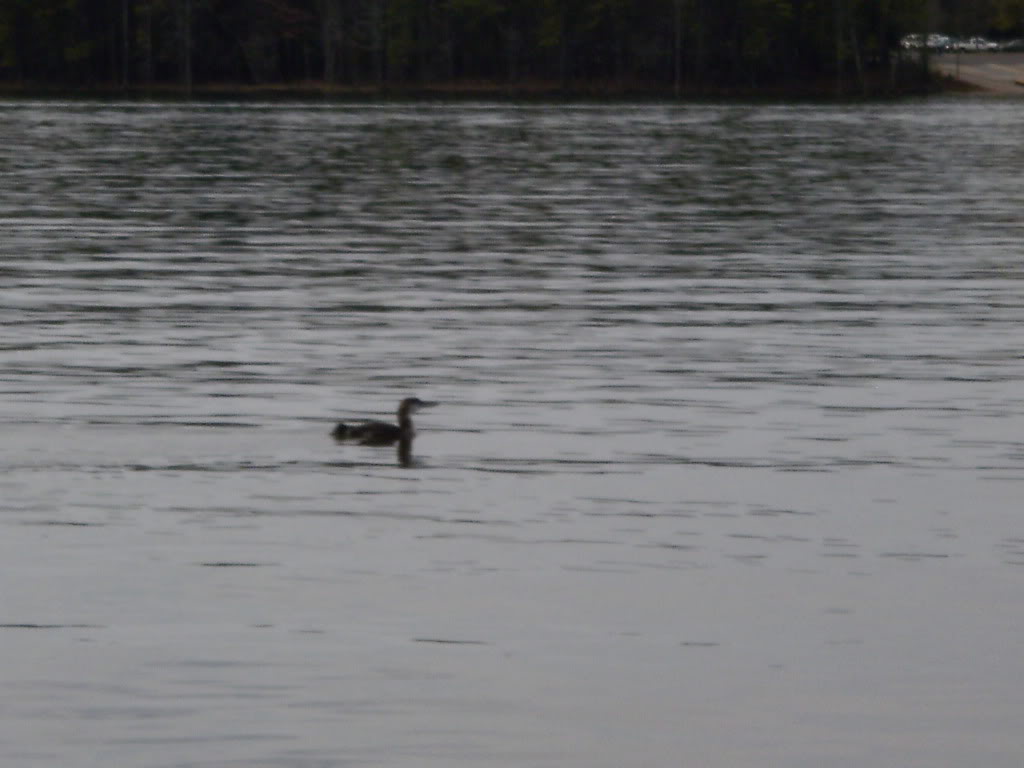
[[726, 469]]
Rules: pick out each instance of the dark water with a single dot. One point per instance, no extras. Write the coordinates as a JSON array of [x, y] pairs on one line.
[[728, 461]]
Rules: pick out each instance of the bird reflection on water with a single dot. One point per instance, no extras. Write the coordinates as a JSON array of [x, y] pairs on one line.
[[380, 433]]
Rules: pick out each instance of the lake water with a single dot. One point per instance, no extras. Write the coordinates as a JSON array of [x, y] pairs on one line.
[[727, 467]]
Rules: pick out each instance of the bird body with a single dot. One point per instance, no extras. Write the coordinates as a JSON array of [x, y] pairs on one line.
[[381, 432]]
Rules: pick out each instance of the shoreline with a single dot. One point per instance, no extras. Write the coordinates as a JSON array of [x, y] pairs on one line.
[[875, 87]]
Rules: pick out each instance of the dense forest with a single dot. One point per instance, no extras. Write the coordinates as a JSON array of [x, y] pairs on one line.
[[663, 44]]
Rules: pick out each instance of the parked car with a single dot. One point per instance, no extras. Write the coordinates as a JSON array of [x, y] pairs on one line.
[[938, 42]]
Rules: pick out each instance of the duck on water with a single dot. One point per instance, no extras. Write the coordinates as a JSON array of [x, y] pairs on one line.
[[381, 432]]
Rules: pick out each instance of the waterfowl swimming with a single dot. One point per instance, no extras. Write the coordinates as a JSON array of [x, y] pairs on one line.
[[380, 432]]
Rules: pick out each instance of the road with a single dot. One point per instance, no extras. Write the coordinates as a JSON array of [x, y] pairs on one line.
[[996, 72]]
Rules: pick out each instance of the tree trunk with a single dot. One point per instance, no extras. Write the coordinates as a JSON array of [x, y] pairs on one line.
[[147, 65], [838, 32], [857, 62], [925, 53], [699, 35], [330, 38], [511, 52], [377, 39], [125, 37], [677, 47], [186, 46]]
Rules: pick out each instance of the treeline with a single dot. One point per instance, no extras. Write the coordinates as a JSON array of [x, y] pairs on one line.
[[661, 43]]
